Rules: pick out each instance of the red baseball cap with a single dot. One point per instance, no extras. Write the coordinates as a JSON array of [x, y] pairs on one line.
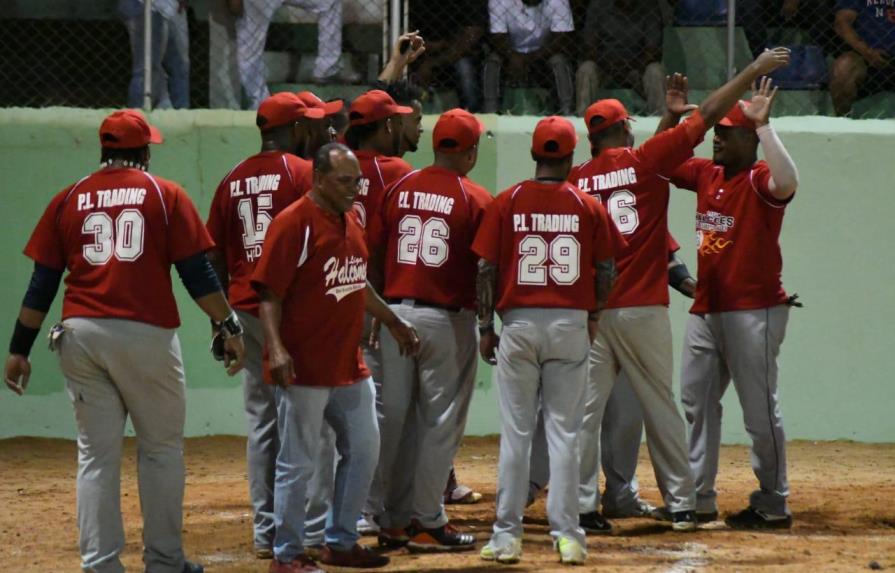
[[736, 118], [611, 110], [554, 136], [456, 130], [283, 108], [127, 129], [374, 105], [311, 99]]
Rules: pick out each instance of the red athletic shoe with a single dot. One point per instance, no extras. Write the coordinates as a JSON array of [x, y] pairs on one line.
[[359, 556], [301, 564]]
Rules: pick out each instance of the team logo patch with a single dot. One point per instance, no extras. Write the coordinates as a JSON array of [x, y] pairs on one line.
[[345, 276], [710, 243]]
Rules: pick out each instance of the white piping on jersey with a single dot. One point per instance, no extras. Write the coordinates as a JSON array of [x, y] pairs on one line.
[[304, 250], [379, 172], [160, 196], [391, 188], [755, 189], [465, 197], [516, 190], [575, 195], [286, 167], [75, 186]]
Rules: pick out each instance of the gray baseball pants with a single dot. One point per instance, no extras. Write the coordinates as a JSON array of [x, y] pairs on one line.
[[430, 392], [743, 346], [541, 361], [263, 444], [637, 341], [114, 369]]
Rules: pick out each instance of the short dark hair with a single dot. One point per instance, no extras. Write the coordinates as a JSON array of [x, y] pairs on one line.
[[323, 158], [550, 161], [127, 155], [358, 134], [611, 132]]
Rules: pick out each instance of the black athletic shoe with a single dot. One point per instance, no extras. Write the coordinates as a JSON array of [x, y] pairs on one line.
[[662, 514], [683, 520], [751, 518], [595, 523], [190, 567], [440, 539]]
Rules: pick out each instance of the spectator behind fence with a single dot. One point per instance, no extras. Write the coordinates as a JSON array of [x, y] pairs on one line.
[[453, 31], [763, 20], [252, 21], [170, 52], [529, 38], [224, 88], [622, 47], [867, 68]]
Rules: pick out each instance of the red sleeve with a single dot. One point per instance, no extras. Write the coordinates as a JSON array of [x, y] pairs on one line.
[[487, 239], [687, 175], [217, 217], [302, 172], [393, 168], [664, 152], [608, 242], [45, 245], [186, 233], [673, 245], [280, 256], [760, 179], [479, 200]]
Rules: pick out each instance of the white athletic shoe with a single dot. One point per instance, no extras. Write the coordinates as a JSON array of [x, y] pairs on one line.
[[505, 554], [367, 525], [570, 551]]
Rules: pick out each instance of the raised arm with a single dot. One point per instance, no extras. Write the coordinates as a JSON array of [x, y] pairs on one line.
[[784, 174], [409, 47], [676, 92]]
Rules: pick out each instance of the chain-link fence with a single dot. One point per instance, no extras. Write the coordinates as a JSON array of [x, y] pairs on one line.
[[504, 56]]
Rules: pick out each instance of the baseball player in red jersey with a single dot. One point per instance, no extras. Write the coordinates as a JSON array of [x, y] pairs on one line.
[[428, 221], [322, 131], [312, 282], [738, 319], [547, 261], [118, 231], [374, 134], [635, 331], [245, 203]]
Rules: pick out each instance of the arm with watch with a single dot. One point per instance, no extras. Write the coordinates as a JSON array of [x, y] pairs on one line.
[[485, 286], [604, 280]]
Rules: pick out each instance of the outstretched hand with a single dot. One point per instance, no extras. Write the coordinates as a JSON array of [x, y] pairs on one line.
[[414, 45], [676, 92], [759, 109], [770, 60]]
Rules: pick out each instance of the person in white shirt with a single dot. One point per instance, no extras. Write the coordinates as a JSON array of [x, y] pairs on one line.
[[529, 36]]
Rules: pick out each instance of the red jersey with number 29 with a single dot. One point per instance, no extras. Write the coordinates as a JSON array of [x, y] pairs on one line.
[[738, 225], [546, 239], [118, 231], [245, 203], [632, 183], [377, 173]]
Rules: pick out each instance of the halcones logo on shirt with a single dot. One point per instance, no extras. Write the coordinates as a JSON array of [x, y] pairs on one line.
[[710, 230], [345, 276]]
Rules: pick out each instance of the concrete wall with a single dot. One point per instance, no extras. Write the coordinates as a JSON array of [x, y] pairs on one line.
[[836, 364]]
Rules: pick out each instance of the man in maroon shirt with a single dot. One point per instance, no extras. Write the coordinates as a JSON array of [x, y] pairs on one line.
[[738, 319]]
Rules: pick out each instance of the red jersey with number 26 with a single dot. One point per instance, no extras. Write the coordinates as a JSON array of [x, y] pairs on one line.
[[738, 225], [632, 183], [245, 203], [378, 172], [546, 239], [118, 231], [429, 219], [316, 262]]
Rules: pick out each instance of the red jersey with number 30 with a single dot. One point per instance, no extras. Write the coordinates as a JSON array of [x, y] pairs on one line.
[[316, 262], [245, 203], [632, 183], [738, 225], [118, 231], [377, 173], [429, 219], [546, 239]]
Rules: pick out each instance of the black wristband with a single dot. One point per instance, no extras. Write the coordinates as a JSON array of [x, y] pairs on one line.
[[231, 326], [23, 339]]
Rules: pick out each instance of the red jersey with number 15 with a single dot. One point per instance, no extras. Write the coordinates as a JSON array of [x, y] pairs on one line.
[[738, 225], [632, 183], [118, 231], [377, 173], [245, 203], [546, 239], [429, 219]]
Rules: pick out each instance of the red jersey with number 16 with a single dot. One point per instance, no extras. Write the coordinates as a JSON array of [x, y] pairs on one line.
[[632, 183], [118, 231], [738, 225], [429, 219], [245, 203], [546, 239]]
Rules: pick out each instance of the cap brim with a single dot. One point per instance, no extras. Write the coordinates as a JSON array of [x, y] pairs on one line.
[[314, 113], [332, 107], [403, 109], [155, 136]]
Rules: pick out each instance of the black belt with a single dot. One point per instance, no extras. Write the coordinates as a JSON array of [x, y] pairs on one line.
[[423, 303]]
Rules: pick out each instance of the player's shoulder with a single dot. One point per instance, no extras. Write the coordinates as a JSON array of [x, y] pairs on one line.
[[475, 190], [394, 166]]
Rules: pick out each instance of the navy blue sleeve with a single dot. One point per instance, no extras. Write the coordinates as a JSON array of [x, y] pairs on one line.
[[197, 275]]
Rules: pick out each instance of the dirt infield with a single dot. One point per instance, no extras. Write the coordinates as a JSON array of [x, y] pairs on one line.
[[843, 500]]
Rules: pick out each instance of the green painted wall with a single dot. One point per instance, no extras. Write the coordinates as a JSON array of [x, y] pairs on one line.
[[836, 364]]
